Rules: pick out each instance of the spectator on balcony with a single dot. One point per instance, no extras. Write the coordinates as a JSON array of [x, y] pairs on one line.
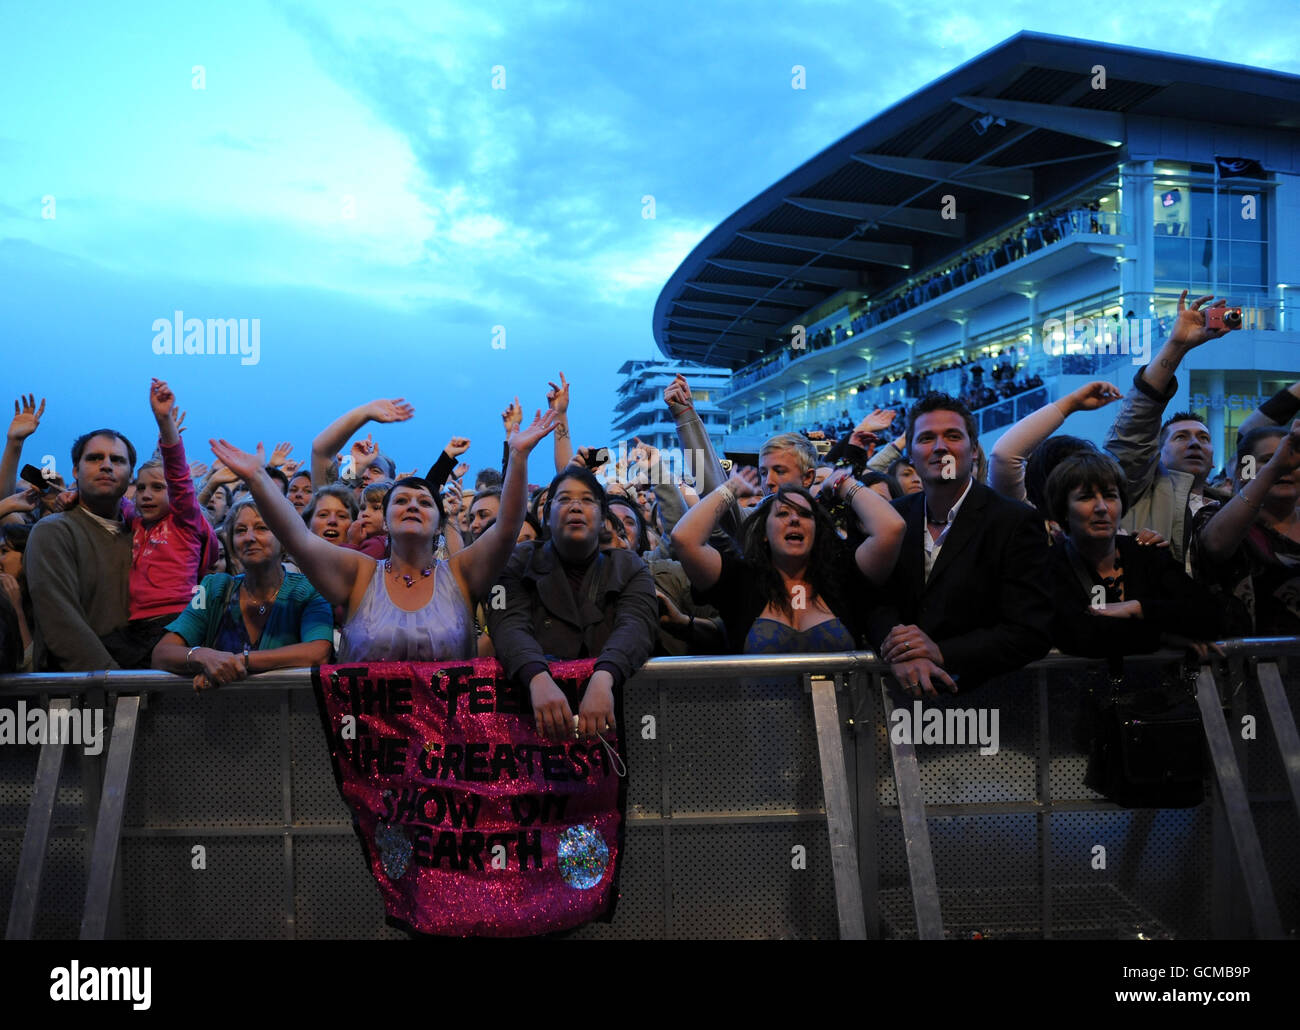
[[1166, 465], [968, 598], [78, 561]]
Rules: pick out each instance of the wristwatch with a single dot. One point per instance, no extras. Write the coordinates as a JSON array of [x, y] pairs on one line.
[[247, 668]]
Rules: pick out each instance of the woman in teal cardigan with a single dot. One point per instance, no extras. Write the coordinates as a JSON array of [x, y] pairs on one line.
[[265, 619]]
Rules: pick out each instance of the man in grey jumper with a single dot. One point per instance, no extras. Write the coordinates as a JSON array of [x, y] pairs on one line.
[[1166, 465], [79, 561]]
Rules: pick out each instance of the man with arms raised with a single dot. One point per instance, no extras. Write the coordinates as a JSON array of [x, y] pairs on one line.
[[1166, 465]]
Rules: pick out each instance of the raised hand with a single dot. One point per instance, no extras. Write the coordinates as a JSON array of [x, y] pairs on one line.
[[457, 446], [198, 470], [24, 500], [290, 467], [179, 418], [557, 397], [459, 471], [1287, 456], [240, 464], [161, 399], [452, 498], [220, 474], [743, 482], [390, 411], [678, 393], [878, 421], [512, 417], [524, 440], [644, 455], [280, 455], [1091, 396], [362, 453], [1189, 328], [27, 416]]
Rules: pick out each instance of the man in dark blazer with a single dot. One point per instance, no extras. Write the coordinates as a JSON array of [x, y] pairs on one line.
[[969, 596]]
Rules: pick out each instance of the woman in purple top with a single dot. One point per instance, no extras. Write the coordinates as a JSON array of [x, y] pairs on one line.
[[408, 607]]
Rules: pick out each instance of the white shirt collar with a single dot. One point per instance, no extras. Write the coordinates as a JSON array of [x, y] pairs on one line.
[[952, 512]]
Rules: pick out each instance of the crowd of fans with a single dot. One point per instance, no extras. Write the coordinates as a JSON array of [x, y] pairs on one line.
[[891, 540]]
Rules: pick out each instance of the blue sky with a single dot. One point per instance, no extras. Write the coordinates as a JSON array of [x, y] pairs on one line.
[[353, 180]]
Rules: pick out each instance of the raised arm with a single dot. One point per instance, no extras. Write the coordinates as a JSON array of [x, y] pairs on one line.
[[331, 569], [887, 455], [558, 399], [337, 433], [1007, 470], [27, 416], [1278, 410], [884, 527], [691, 547], [1227, 528], [480, 564]]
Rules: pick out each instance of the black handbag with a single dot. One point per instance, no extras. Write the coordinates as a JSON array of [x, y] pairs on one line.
[[1147, 746]]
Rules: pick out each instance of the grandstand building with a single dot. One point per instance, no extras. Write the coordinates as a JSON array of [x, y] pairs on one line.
[[1018, 227], [640, 410]]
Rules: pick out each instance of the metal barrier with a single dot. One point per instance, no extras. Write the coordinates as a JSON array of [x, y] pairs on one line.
[[751, 812]]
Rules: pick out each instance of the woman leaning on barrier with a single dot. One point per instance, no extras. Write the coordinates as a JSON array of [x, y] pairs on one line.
[[409, 606], [264, 619], [791, 589], [1115, 596]]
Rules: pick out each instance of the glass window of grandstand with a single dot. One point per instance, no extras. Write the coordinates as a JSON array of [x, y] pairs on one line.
[[1187, 220], [1241, 394]]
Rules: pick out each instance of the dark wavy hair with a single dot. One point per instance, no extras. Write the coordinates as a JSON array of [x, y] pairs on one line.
[[1043, 459], [825, 573]]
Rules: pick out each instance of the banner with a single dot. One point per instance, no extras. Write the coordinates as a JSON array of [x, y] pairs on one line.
[[472, 822]]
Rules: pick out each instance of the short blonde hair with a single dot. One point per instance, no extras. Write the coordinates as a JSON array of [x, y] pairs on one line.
[[796, 443]]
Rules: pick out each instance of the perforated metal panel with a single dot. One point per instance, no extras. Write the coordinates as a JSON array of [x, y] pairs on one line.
[[725, 789], [208, 759], [1044, 870], [236, 895]]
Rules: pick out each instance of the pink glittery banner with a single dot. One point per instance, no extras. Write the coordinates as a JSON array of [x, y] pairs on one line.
[[472, 822]]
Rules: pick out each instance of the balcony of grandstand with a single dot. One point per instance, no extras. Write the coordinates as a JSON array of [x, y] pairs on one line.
[[1006, 234]]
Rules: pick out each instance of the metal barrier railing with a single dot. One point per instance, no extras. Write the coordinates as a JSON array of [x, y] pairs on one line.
[[852, 837]]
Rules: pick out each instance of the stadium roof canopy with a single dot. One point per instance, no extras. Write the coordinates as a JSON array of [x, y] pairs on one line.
[[1008, 131]]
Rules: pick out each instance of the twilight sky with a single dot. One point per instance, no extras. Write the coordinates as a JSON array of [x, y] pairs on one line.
[[352, 179]]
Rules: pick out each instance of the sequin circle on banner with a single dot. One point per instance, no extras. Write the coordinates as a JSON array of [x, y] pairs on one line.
[[394, 850], [582, 856]]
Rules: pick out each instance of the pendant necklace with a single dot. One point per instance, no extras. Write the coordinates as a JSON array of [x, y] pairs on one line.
[[261, 606], [406, 576]]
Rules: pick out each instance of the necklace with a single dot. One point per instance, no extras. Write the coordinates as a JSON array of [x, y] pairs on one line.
[[261, 606], [406, 576]]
